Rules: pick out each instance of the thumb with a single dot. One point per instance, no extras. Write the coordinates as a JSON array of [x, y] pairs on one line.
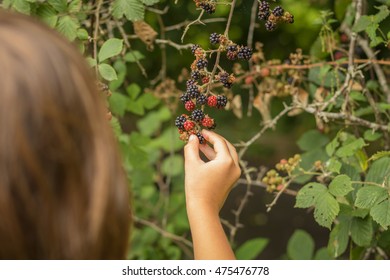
[[191, 150]]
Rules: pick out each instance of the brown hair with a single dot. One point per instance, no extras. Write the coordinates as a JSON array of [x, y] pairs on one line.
[[63, 191]]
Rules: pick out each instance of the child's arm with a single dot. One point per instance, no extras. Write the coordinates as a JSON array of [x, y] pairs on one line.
[[207, 185]]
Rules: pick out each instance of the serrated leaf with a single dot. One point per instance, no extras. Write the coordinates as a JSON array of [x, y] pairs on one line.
[[381, 213], [332, 146], [75, 6], [133, 56], [251, 249], [371, 136], [68, 27], [300, 246], [326, 210], [136, 107], [362, 24], [361, 231], [59, 5], [132, 9], [150, 2], [369, 196], [21, 6], [350, 148], [382, 14], [118, 103], [340, 185], [334, 165], [312, 139], [133, 90], [48, 15], [379, 170], [107, 72], [379, 155], [110, 48], [308, 195], [338, 238]]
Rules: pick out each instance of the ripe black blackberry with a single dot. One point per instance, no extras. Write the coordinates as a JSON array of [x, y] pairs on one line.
[[190, 82], [263, 6], [215, 38], [208, 7], [202, 140], [224, 79], [184, 98], [193, 91], [270, 26], [179, 122], [232, 48], [201, 63], [194, 48], [197, 115], [221, 101], [201, 99], [195, 75], [244, 53], [278, 11], [263, 15]]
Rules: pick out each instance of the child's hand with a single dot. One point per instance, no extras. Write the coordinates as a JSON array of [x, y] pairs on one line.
[[207, 184]]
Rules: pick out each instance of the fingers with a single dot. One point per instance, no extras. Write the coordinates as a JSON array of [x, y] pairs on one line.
[[220, 146], [233, 152], [208, 151], [191, 150], [212, 136]]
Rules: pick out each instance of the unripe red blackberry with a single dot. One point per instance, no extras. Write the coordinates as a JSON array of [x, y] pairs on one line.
[[201, 138], [179, 122], [201, 63], [231, 55], [208, 122], [188, 125], [193, 91], [189, 105], [278, 11], [184, 98], [197, 115], [212, 101], [221, 101], [201, 99], [244, 53], [205, 80], [215, 38]]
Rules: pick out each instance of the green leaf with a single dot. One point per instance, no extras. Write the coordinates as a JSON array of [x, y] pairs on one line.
[[334, 165], [68, 27], [300, 246], [59, 5], [340, 185], [371, 136], [362, 24], [326, 210], [251, 248], [150, 2], [21, 6], [133, 9], [381, 213], [322, 254], [379, 155], [332, 146], [135, 106], [362, 231], [149, 100], [107, 72], [118, 103], [74, 6], [382, 14], [338, 238], [308, 195], [133, 56], [91, 62], [311, 140], [82, 34], [110, 48], [48, 15], [133, 90], [369, 196], [173, 166], [351, 148], [379, 170]]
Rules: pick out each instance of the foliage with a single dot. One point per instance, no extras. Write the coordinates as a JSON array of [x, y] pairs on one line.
[[342, 174]]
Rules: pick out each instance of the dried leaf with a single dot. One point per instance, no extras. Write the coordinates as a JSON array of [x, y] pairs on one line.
[[261, 103], [146, 33], [236, 104]]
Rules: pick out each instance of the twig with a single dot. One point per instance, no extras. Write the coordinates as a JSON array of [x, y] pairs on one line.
[[269, 206], [173, 44], [186, 22], [264, 186], [197, 21]]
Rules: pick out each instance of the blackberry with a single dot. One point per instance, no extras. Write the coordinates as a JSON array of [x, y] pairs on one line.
[[201, 138], [232, 48], [201, 99], [288, 17], [193, 91], [221, 101], [270, 26], [188, 125], [190, 83], [201, 63], [194, 48], [197, 115], [244, 53], [212, 101], [184, 98], [263, 15], [179, 122], [278, 11], [215, 38], [225, 79], [231, 55], [263, 7], [189, 105], [208, 7], [208, 122], [195, 75]]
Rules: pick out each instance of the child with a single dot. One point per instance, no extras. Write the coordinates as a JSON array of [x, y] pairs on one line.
[[63, 191]]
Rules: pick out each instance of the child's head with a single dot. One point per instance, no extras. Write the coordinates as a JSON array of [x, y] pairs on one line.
[[63, 192]]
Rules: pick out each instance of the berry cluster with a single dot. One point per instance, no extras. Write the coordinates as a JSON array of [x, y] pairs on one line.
[[288, 165], [233, 51], [273, 17], [207, 5], [273, 181]]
